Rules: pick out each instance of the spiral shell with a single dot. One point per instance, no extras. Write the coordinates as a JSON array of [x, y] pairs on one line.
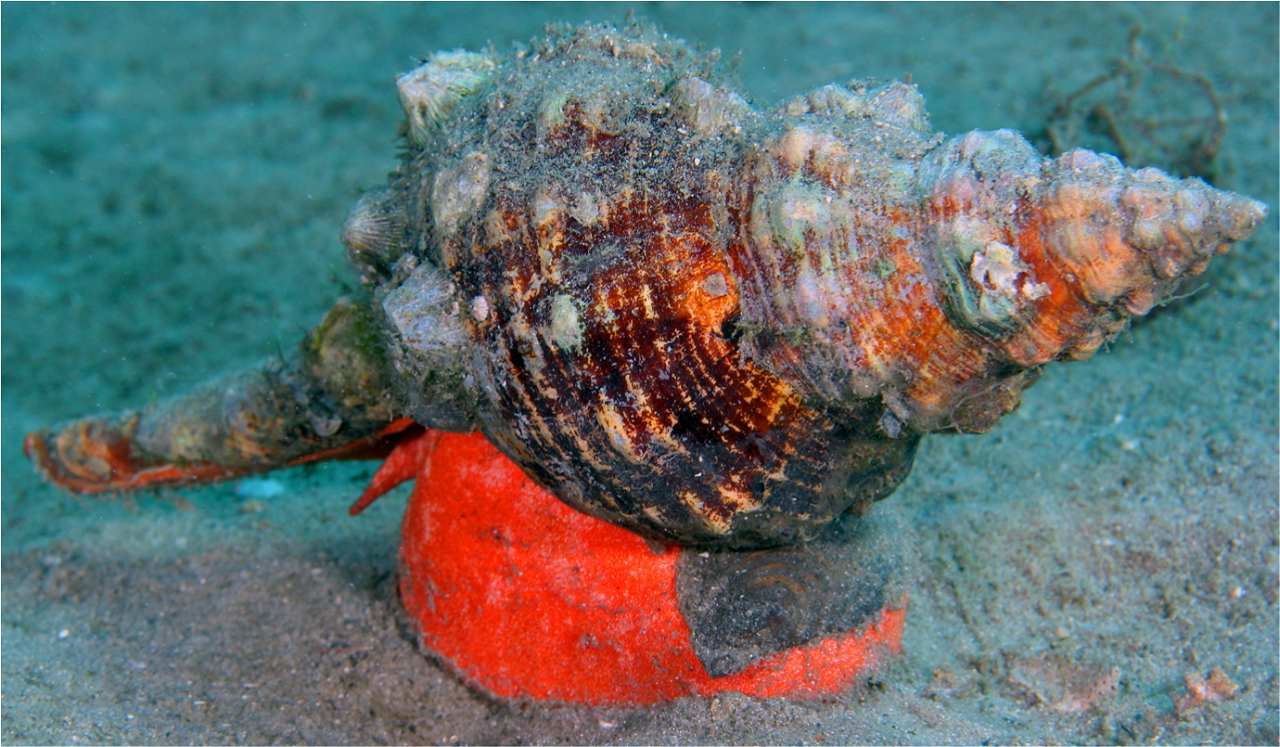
[[704, 322], [725, 326]]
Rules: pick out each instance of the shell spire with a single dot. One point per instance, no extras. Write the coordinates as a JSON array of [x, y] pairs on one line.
[[940, 276]]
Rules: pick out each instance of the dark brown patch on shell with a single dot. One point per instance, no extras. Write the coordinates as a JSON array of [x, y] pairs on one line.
[[609, 309], [622, 389]]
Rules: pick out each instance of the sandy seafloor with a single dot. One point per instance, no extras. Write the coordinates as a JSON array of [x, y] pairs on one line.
[[174, 181]]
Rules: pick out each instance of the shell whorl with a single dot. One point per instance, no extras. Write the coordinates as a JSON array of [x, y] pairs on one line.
[[722, 326], [939, 280]]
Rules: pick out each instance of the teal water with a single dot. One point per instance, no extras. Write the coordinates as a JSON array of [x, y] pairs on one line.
[[174, 182]]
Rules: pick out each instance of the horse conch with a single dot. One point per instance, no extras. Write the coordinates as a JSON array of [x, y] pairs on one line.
[[709, 323]]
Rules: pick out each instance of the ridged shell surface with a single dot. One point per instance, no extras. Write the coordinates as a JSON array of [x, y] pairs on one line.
[[721, 326]]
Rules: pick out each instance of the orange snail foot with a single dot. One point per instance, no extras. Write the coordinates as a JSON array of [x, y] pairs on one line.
[[530, 600]]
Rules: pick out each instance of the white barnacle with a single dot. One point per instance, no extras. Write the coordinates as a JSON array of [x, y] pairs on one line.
[[1003, 281], [715, 285], [429, 92], [459, 191], [706, 109], [996, 270], [479, 308], [566, 327], [373, 230], [550, 118]]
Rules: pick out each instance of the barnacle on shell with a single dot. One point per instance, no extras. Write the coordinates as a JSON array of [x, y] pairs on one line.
[[429, 92], [374, 232]]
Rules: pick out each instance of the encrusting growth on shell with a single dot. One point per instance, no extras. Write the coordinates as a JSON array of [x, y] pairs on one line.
[[715, 324], [430, 92]]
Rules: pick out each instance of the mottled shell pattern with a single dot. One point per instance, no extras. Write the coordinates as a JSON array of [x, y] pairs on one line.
[[723, 326]]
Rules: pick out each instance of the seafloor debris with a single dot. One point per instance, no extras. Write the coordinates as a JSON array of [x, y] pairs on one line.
[[704, 322], [1065, 686], [1202, 691], [1146, 112]]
